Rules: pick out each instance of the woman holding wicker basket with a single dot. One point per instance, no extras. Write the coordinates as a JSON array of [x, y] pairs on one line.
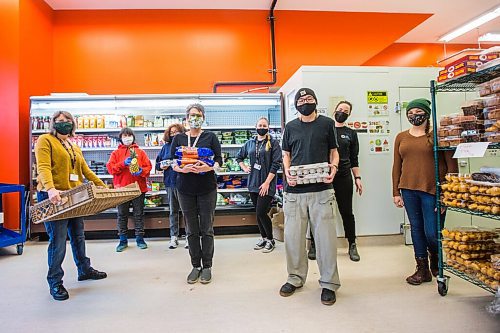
[[60, 167]]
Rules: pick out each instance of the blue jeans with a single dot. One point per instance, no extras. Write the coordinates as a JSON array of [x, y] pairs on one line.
[[420, 208], [173, 207], [58, 231]]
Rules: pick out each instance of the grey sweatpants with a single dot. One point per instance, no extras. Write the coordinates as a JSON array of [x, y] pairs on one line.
[[320, 208]]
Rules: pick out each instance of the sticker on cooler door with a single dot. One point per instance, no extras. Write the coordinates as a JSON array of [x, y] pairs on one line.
[[379, 127], [379, 145], [377, 103], [360, 126]]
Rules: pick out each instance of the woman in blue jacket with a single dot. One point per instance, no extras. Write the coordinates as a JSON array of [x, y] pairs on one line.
[[169, 178], [265, 157]]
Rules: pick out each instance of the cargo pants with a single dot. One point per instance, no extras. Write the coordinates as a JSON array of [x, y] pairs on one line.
[[320, 208]]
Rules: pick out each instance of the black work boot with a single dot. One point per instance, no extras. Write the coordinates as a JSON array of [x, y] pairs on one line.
[[422, 273], [328, 297], [59, 293], [92, 274], [353, 252]]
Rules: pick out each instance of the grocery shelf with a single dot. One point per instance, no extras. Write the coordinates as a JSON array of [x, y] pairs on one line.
[[105, 130], [469, 82], [467, 277], [223, 190], [111, 176], [232, 173], [493, 145], [162, 209], [233, 127], [232, 190], [473, 212], [231, 145], [162, 192], [466, 83]]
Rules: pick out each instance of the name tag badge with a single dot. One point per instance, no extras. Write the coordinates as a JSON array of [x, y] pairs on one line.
[[73, 177], [256, 166]]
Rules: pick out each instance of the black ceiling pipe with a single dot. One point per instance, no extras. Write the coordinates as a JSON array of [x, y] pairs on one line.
[[273, 59]]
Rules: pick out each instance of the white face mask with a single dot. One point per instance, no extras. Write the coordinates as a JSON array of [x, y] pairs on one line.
[[127, 140]]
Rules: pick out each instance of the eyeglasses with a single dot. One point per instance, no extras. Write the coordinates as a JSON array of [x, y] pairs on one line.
[[173, 133], [308, 99]]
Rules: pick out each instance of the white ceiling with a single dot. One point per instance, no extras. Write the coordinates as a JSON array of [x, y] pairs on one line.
[[447, 14]]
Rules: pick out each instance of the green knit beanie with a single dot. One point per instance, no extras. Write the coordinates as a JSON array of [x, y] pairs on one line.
[[420, 103]]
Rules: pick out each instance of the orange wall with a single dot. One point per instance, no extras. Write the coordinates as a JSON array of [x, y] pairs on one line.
[[35, 70], [9, 106], [186, 51], [415, 55], [25, 69]]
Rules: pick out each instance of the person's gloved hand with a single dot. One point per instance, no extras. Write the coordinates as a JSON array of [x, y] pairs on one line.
[[127, 161], [138, 173]]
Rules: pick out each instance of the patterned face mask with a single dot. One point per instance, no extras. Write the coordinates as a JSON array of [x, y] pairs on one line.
[[417, 119], [195, 121]]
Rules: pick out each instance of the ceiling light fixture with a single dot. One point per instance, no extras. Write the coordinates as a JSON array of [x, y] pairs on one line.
[[490, 37], [490, 15]]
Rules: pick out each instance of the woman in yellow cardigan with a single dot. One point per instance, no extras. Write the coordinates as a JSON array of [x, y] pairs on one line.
[[61, 166]]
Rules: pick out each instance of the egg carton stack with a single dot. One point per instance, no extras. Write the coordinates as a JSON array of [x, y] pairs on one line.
[[310, 173], [472, 251]]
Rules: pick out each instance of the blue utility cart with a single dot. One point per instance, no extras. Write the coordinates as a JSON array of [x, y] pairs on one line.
[[9, 237]]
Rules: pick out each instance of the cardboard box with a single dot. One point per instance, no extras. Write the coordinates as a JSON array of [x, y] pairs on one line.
[[457, 73], [465, 65]]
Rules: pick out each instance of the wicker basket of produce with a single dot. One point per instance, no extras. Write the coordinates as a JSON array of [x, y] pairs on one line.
[[84, 200]]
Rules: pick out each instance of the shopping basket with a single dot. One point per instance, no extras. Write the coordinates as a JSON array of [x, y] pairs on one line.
[[83, 200]]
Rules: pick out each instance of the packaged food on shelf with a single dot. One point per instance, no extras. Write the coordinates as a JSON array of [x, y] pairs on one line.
[[495, 85], [139, 121], [467, 234], [492, 137], [492, 100], [486, 177], [473, 108], [446, 120], [471, 136], [492, 113], [484, 89], [495, 261], [455, 141]]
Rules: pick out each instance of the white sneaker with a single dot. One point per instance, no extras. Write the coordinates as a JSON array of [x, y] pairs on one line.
[[186, 245], [173, 243]]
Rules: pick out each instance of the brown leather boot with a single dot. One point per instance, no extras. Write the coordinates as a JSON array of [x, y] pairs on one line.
[[422, 274], [433, 263]]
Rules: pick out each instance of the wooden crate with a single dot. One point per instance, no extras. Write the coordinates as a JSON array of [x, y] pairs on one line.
[[84, 200]]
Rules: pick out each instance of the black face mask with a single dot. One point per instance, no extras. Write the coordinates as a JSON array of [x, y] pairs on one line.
[[63, 128], [262, 131], [306, 109], [417, 119], [340, 116], [170, 138]]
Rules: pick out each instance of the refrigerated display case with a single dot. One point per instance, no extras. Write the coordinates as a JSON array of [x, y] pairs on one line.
[[232, 117]]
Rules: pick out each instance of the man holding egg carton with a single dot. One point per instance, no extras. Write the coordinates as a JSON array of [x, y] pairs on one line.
[[310, 163]]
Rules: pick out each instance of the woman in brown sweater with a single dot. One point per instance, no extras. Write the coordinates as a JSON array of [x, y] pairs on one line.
[[413, 186]]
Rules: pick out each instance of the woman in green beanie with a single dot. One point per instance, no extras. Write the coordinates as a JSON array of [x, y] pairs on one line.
[[414, 186]]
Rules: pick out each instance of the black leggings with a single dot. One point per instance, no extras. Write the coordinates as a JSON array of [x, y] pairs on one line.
[[262, 207], [343, 187]]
